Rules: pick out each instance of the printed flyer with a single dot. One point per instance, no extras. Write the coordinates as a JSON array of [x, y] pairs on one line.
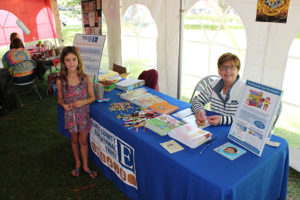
[[91, 49], [254, 116]]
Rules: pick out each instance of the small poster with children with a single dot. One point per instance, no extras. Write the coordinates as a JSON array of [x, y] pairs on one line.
[[254, 116]]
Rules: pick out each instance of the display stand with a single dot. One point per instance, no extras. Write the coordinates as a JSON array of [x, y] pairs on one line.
[[254, 116], [91, 49]]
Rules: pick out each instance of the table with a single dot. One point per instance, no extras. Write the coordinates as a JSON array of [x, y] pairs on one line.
[[187, 174], [43, 64]]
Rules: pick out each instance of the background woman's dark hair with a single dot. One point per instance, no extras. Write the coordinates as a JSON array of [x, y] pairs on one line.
[[16, 43], [13, 36], [229, 56]]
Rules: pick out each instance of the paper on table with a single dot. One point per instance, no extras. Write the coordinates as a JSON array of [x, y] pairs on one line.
[[183, 113], [172, 146]]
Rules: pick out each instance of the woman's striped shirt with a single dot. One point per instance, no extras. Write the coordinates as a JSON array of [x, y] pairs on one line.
[[221, 104]]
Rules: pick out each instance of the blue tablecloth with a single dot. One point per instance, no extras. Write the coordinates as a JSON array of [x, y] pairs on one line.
[[187, 174]]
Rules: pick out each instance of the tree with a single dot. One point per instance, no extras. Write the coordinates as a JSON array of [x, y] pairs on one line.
[[71, 3]]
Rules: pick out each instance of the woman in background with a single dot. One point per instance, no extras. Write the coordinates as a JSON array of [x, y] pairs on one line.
[[16, 54]]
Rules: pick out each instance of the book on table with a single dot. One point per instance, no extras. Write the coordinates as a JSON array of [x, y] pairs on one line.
[[163, 107], [129, 84], [146, 101], [163, 124], [140, 97], [132, 95], [190, 135]]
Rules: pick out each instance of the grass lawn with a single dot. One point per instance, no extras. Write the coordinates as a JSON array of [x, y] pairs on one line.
[[36, 159]]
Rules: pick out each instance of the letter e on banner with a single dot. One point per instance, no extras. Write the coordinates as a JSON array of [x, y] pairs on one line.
[[126, 158]]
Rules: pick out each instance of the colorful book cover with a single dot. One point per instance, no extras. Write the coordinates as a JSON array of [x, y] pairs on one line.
[[162, 124], [230, 151], [163, 107], [147, 100]]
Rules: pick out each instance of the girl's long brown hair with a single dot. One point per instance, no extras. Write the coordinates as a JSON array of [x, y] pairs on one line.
[[80, 68]]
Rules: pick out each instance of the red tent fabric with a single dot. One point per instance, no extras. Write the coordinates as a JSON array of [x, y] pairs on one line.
[[35, 14]]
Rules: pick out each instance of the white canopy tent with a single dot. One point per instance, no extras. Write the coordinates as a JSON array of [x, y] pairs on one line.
[[267, 43]]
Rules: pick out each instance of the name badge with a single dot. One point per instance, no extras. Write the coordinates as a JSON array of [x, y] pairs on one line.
[[234, 102]]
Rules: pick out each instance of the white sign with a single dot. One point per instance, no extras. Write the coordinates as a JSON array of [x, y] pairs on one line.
[[114, 153], [254, 116], [91, 49]]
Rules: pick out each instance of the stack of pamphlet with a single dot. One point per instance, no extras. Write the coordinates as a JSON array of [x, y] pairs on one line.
[[190, 135], [163, 124], [129, 84]]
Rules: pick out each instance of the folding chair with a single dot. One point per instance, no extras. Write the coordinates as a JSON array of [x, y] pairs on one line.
[[201, 85], [24, 75], [151, 78]]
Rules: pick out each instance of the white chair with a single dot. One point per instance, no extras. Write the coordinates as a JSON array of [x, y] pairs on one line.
[[24, 75], [277, 114], [201, 85]]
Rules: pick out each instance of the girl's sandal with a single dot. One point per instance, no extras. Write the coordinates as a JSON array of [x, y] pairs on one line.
[[75, 172], [93, 174]]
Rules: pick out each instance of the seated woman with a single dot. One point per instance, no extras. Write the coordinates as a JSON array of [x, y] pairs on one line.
[[224, 94], [15, 55]]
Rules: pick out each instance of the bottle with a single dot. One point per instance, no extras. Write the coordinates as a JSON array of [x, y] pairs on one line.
[[34, 42], [62, 43], [53, 51]]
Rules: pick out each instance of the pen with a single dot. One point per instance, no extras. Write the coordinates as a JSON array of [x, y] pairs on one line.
[[207, 144]]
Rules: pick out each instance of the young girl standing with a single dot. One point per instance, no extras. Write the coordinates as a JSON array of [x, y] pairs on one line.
[[75, 93]]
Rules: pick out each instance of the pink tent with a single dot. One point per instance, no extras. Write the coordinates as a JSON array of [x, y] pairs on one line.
[[35, 14]]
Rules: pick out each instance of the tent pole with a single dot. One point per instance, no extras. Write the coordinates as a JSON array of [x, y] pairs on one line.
[[180, 48]]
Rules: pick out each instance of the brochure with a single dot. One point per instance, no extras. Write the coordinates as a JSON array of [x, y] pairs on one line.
[[183, 113], [230, 151], [254, 116], [172, 146]]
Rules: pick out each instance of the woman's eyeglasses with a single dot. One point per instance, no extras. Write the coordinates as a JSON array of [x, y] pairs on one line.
[[225, 67]]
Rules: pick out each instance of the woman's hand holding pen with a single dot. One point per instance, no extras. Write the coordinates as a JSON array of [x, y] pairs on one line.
[[200, 118], [214, 120]]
